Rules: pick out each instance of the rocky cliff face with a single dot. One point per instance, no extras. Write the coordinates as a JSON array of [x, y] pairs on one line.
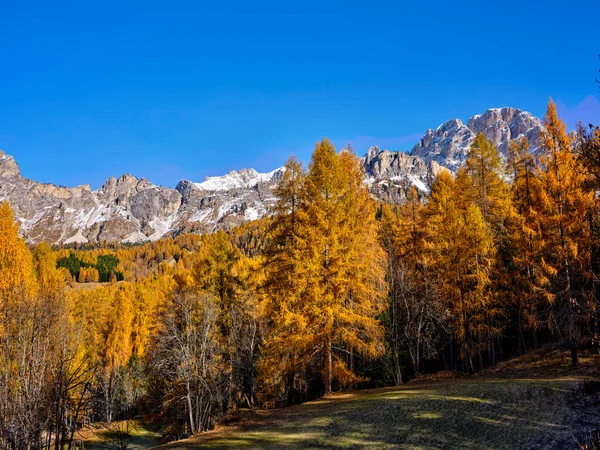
[[130, 210], [449, 144], [445, 148]]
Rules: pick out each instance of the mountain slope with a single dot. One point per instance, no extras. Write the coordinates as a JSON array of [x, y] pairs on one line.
[[131, 210]]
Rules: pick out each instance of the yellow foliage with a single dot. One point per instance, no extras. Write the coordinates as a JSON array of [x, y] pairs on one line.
[[324, 268], [16, 263]]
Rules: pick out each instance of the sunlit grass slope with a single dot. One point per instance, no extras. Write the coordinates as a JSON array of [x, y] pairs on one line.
[[493, 411]]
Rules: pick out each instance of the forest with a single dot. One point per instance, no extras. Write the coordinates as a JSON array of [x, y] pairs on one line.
[[333, 290]]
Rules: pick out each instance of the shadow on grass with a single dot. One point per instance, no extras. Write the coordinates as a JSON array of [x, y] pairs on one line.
[[136, 435], [490, 414]]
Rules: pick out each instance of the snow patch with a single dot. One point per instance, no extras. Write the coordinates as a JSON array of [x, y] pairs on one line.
[[200, 215], [27, 224], [369, 181], [77, 238], [418, 183], [245, 178], [413, 179], [251, 214], [160, 227], [136, 237]]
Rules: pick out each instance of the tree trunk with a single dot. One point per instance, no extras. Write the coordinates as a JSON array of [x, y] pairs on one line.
[[563, 242], [77, 410], [574, 358], [328, 366], [573, 340], [190, 409], [397, 370], [522, 344], [290, 388], [535, 334]]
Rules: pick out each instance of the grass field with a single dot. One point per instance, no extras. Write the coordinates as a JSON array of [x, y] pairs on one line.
[[142, 437], [535, 402]]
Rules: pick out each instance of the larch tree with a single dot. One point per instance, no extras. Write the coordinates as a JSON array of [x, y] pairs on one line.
[[16, 264], [483, 182], [246, 321], [588, 150], [118, 346], [564, 212], [528, 277], [483, 176], [215, 276], [187, 355], [388, 232], [283, 351], [462, 250], [417, 316], [34, 330], [338, 268], [17, 311]]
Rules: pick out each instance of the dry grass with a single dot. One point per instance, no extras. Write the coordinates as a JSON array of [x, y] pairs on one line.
[[546, 362], [97, 438], [533, 402]]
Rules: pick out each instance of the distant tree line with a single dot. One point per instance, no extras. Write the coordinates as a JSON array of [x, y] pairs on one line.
[[104, 267]]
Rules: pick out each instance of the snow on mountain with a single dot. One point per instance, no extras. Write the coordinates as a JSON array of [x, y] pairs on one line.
[[449, 144], [132, 210], [245, 178]]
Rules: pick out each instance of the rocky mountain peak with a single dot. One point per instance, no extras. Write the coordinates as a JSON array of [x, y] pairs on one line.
[[449, 144], [480, 122], [501, 125], [185, 186], [118, 190], [445, 148], [132, 210], [371, 154], [8, 166], [449, 126], [144, 184]]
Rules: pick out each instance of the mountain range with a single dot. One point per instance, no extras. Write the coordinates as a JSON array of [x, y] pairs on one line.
[[132, 210]]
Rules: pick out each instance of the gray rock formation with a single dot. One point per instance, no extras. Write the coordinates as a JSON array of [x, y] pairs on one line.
[[389, 174], [131, 210], [449, 144]]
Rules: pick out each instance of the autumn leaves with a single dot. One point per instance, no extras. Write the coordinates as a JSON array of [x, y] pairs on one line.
[[325, 273], [504, 249], [333, 290]]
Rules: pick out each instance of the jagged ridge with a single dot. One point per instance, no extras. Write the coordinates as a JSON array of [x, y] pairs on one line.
[[134, 210]]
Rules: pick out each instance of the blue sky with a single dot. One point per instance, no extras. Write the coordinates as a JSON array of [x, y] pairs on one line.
[[172, 90]]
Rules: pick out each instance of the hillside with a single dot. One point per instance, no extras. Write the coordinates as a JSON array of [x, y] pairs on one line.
[[536, 401], [184, 334]]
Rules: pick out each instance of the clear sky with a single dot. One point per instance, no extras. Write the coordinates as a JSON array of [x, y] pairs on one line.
[[171, 90]]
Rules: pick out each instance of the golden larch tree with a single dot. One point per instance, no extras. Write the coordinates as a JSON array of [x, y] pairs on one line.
[[462, 250], [338, 267], [564, 210]]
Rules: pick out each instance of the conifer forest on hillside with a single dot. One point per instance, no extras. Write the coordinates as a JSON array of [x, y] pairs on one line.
[[332, 292]]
